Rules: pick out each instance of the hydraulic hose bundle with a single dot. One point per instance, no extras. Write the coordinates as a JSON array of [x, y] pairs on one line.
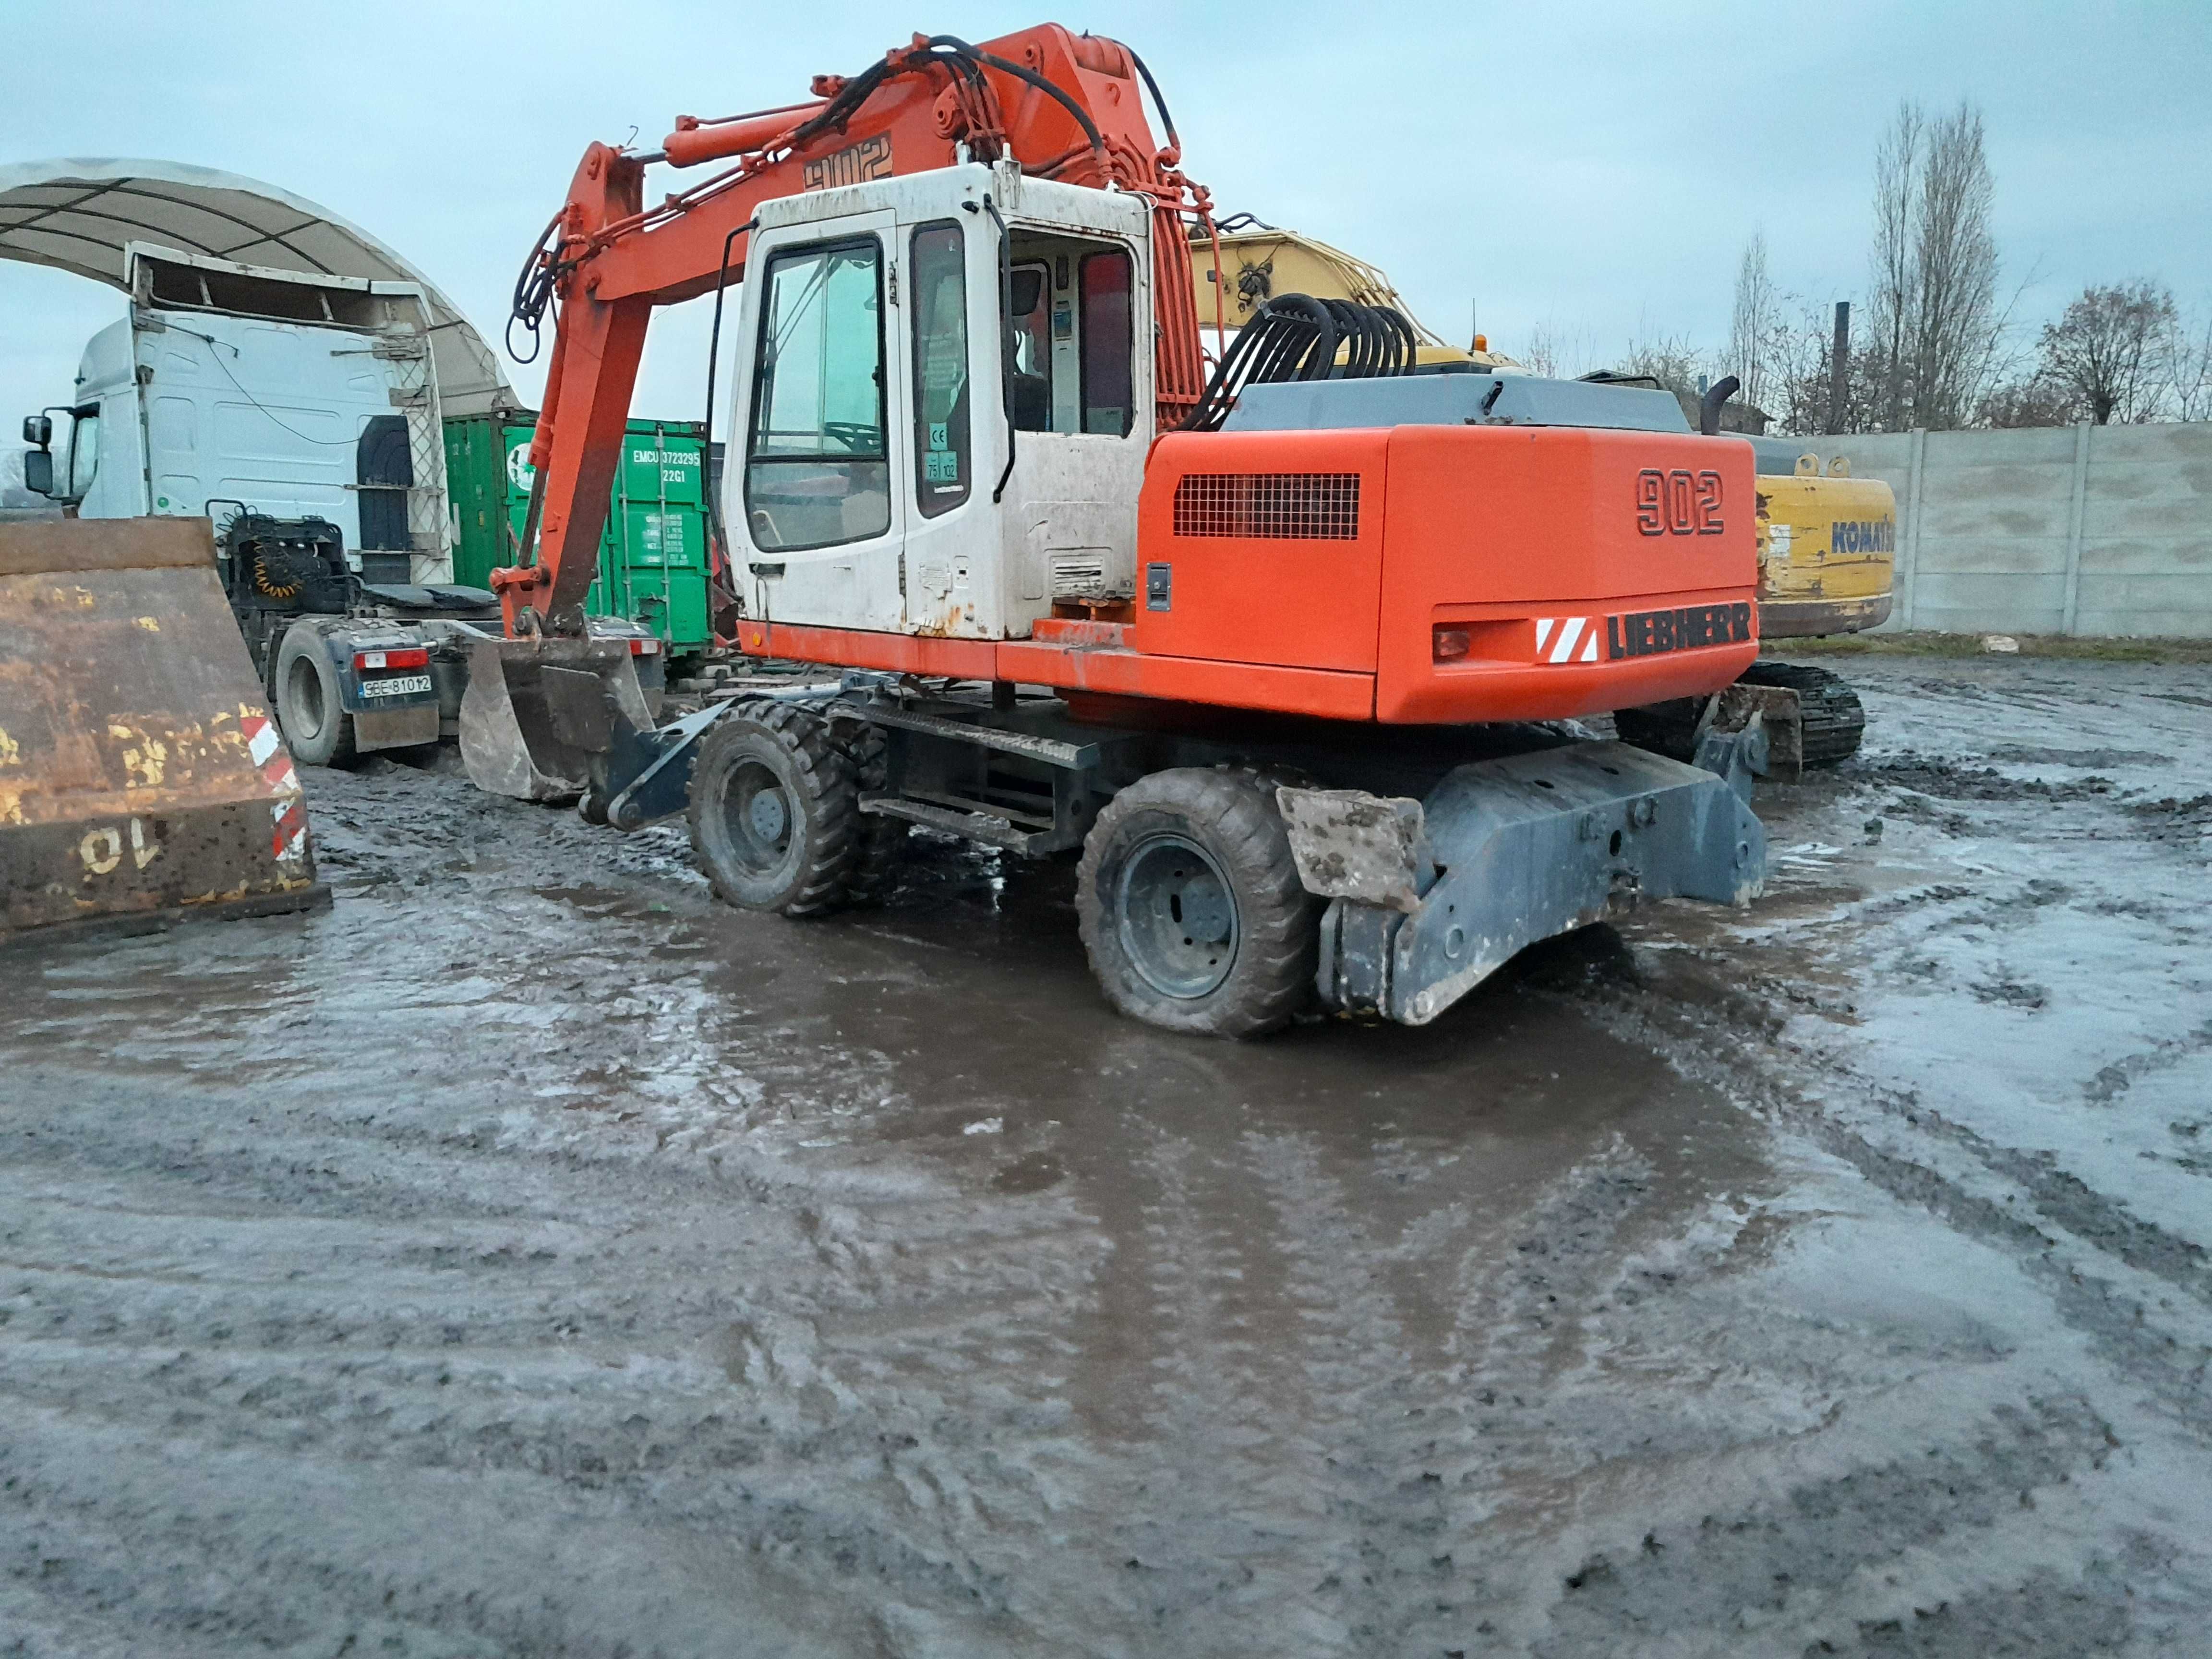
[[1295, 336]]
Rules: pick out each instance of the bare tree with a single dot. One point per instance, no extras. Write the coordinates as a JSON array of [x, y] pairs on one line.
[[1754, 327], [1804, 353], [1958, 326], [1935, 329], [2186, 357], [2106, 349], [1893, 302], [1669, 358], [1540, 355], [2035, 401], [1555, 352]]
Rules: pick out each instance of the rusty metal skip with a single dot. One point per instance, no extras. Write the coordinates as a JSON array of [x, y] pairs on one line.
[[141, 778]]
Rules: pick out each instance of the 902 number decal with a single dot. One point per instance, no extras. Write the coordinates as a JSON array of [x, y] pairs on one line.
[[869, 159], [1678, 503]]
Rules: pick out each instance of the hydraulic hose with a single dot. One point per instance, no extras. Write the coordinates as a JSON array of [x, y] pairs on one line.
[[1022, 72], [1158, 102], [1294, 336]]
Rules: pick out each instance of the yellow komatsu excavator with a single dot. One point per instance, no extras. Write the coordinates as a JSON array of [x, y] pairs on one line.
[[1263, 261], [1826, 541]]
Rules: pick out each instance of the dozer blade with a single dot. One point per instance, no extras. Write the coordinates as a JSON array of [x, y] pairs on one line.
[[141, 777], [538, 713]]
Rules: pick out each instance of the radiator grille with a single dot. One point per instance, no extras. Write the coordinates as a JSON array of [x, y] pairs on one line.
[[1317, 507]]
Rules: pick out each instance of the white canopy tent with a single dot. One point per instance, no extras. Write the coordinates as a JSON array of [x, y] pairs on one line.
[[79, 215]]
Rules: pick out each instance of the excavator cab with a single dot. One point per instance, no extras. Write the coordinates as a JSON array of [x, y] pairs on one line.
[[941, 405]]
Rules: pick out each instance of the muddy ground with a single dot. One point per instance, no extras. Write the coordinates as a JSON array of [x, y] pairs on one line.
[[531, 1256]]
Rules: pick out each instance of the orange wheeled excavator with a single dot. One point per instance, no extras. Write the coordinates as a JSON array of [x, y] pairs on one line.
[[1289, 654]]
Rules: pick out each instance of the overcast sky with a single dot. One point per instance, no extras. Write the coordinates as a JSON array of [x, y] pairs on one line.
[[1593, 168]]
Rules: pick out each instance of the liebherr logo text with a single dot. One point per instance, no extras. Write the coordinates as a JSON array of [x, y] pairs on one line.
[[1678, 503], [1647, 633], [869, 159]]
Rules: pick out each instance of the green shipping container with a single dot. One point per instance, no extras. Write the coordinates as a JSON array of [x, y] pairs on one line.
[[652, 554]]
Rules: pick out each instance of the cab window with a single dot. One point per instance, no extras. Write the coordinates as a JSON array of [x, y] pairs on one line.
[[84, 451], [940, 369], [1108, 392], [1032, 376], [1072, 328], [818, 471]]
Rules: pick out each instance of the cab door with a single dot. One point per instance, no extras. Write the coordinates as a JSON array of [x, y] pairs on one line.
[[955, 417], [819, 504]]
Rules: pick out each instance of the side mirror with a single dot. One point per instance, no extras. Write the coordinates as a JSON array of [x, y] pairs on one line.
[[38, 429], [39, 470]]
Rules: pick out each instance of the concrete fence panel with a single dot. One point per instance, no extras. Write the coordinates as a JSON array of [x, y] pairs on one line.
[[2051, 529]]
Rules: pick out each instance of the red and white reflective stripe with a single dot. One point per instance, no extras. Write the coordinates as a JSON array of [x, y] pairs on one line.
[[1566, 639], [267, 752], [290, 836], [644, 647]]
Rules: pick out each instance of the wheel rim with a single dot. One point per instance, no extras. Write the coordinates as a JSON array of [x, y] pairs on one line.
[[1177, 916], [306, 698], [757, 816]]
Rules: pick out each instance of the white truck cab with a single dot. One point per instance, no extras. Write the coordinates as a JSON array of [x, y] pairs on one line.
[[230, 386]]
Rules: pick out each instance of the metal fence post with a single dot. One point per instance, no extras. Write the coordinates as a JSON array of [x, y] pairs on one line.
[[2076, 512]]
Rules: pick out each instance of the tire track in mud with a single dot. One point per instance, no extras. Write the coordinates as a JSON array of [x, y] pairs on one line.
[[2100, 1308], [201, 1551], [1372, 1419], [1225, 1410], [1807, 1569], [1774, 1568], [477, 1379]]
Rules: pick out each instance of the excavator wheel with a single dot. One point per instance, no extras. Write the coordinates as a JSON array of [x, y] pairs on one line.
[[776, 811], [1834, 718], [882, 838], [310, 707], [1190, 906]]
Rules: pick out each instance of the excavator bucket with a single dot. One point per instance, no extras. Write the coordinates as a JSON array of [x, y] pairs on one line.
[[141, 778], [541, 716]]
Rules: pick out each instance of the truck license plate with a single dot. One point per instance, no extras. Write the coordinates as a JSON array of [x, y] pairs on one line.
[[396, 685]]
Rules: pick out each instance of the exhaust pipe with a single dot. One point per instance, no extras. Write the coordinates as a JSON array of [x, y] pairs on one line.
[[1709, 409]]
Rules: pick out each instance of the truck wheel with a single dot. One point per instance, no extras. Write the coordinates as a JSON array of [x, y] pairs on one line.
[[310, 703], [1190, 906], [775, 814], [883, 840]]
